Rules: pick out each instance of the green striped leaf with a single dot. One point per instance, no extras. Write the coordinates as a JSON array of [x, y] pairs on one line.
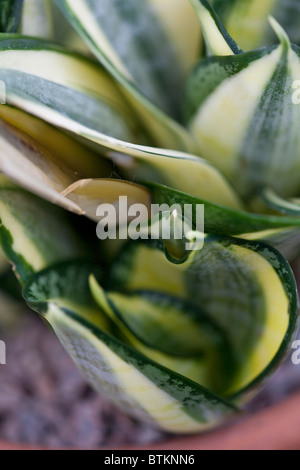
[[247, 20], [160, 321], [29, 231], [10, 296], [69, 154], [245, 120], [43, 19], [233, 283], [3, 263], [218, 41], [52, 172], [137, 384], [92, 109], [219, 218], [280, 231], [279, 204], [139, 57], [89, 194], [285, 240], [10, 14], [40, 74]]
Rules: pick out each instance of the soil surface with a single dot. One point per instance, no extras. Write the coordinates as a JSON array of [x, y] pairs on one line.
[[45, 401]]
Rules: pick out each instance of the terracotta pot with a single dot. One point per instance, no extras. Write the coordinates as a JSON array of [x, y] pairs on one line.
[[277, 428]]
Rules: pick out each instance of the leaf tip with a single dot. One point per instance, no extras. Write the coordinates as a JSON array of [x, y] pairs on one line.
[[280, 33]]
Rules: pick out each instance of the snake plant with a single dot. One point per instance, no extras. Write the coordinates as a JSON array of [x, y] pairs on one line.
[[181, 342], [246, 20]]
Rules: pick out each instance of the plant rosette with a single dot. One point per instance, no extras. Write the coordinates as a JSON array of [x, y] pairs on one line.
[[181, 340]]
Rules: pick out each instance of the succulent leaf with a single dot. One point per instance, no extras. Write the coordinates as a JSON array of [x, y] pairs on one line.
[[37, 20], [53, 174], [218, 41], [237, 222], [127, 346], [28, 232], [10, 15], [241, 111], [92, 109], [177, 332], [137, 384], [139, 57], [206, 280], [247, 20]]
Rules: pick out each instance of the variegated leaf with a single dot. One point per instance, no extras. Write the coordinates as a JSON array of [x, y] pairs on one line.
[[231, 282], [244, 117], [141, 56], [40, 80], [10, 15], [140, 386], [28, 231]]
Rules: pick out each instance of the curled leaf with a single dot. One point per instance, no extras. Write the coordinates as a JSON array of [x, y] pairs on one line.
[[28, 231], [137, 384]]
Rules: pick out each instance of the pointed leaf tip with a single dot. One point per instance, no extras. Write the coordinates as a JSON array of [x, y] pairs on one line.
[[280, 32]]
